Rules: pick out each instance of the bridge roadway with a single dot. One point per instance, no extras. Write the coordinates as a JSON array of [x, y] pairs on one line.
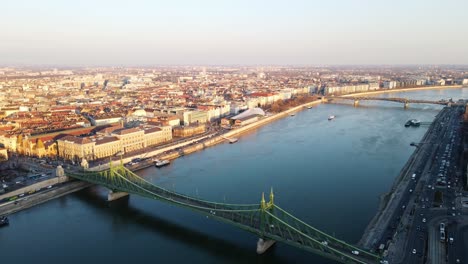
[[266, 219]]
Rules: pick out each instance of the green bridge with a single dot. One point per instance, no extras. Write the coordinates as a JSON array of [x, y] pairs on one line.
[[266, 219]]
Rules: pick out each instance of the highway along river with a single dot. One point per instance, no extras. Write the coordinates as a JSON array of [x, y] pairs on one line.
[[328, 173]]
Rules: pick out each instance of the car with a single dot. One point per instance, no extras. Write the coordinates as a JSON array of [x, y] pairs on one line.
[[451, 240], [325, 243], [50, 186], [414, 251], [355, 252], [442, 236], [424, 220]]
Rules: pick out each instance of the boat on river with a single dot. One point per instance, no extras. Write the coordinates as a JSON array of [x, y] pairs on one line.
[[4, 221], [413, 122], [331, 117], [161, 163]]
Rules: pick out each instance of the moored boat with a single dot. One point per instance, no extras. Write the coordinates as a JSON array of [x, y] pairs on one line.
[[4, 221], [331, 117], [412, 122], [161, 163]]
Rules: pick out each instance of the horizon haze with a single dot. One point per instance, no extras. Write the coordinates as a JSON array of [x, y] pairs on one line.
[[122, 33]]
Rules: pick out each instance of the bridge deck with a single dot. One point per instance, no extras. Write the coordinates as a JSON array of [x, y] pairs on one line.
[[266, 220]]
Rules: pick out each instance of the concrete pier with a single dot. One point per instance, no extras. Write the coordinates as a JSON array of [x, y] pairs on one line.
[[114, 195], [356, 103], [264, 245]]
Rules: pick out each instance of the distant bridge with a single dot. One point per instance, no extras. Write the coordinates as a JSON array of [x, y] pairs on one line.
[[404, 101], [266, 219]]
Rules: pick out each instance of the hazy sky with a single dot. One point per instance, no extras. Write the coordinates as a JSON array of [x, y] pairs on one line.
[[134, 32]]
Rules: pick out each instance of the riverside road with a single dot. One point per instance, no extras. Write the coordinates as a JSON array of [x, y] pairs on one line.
[[412, 232]]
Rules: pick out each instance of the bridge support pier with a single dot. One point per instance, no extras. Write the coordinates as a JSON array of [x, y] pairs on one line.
[[264, 245], [114, 195], [356, 103], [406, 105]]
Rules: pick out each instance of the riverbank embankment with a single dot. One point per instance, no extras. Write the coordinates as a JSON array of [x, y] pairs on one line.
[[42, 197], [391, 201], [236, 132]]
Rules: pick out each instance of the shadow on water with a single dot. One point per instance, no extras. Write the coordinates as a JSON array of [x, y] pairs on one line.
[[207, 243]]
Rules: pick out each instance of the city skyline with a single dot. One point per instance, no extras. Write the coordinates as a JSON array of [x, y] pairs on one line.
[[124, 33]]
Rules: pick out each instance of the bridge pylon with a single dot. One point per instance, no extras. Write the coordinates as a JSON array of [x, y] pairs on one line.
[[264, 244], [406, 105], [356, 103]]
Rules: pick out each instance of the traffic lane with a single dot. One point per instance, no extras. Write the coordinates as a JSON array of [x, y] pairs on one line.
[[460, 245], [416, 240], [451, 248]]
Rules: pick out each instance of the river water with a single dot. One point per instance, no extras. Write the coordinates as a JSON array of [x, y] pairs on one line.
[[328, 173]]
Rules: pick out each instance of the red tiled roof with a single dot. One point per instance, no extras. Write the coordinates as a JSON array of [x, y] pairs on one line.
[[105, 140], [124, 131], [76, 140], [152, 130]]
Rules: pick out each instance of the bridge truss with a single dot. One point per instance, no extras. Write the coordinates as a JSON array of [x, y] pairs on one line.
[[266, 219]]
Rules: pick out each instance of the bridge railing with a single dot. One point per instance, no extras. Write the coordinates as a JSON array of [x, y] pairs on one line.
[[265, 219], [321, 240]]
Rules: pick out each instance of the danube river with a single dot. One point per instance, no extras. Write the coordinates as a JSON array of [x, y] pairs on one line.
[[328, 173]]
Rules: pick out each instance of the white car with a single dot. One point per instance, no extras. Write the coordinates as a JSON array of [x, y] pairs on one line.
[[355, 252], [414, 251], [424, 220]]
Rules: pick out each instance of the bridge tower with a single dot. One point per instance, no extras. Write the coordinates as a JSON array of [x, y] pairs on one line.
[[356, 103], [264, 244], [113, 195], [406, 105]]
